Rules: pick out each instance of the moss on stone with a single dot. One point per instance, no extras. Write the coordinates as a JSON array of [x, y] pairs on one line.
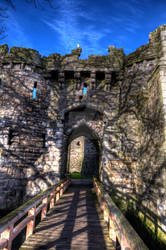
[[139, 221], [155, 35], [26, 55], [77, 51], [4, 49], [144, 52], [161, 236]]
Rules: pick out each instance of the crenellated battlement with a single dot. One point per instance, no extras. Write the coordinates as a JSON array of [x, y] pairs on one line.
[[116, 101]]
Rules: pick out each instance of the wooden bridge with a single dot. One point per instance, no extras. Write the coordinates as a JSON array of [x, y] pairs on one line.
[[75, 220]]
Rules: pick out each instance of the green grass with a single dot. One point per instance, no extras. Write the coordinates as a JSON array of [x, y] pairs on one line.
[[76, 175]]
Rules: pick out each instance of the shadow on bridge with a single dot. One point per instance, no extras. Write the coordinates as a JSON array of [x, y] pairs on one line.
[[74, 223]]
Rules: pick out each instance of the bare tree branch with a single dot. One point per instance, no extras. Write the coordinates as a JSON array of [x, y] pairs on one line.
[[38, 3], [50, 2], [11, 4], [2, 18], [2, 32]]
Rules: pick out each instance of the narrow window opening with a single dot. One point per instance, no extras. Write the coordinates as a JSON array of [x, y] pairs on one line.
[[85, 74], [35, 85], [69, 75], [85, 89], [54, 75], [1, 84], [1, 87], [100, 75], [10, 136], [34, 90], [113, 76], [44, 140]]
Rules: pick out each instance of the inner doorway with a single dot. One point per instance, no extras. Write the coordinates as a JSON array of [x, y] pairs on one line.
[[83, 156]]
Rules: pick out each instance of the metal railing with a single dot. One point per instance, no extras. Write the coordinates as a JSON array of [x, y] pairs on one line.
[[118, 226], [29, 210]]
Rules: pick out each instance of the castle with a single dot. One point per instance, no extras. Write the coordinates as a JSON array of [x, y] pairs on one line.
[[111, 107]]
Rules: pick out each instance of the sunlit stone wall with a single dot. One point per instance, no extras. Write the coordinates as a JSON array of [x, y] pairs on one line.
[[123, 111]]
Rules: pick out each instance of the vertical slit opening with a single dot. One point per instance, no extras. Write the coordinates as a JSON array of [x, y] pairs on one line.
[[85, 74], [85, 89], [44, 140], [34, 90], [10, 136], [100, 75], [69, 75], [1, 87]]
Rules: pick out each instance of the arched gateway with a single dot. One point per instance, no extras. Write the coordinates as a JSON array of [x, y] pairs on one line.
[[116, 102], [83, 130]]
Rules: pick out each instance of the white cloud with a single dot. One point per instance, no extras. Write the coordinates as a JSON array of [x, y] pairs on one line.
[[67, 27], [15, 32], [70, 32]]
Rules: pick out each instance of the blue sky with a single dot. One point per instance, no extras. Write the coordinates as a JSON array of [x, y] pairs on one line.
[[94, 25]]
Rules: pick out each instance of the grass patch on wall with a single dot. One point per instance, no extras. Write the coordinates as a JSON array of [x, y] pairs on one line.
[[77, 175]]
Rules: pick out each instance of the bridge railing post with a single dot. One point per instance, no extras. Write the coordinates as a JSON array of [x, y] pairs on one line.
[[65, 184], [31, 223], [57, 194], [112, 233], [44, 209], [52, 201], [105, 212], [7, 234], [61, 189], [123, 243]]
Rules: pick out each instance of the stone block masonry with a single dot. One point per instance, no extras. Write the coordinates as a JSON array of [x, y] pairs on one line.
[[44, 109]]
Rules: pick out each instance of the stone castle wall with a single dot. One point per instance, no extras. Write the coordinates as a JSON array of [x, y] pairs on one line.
[[122, 113], [76, 155]]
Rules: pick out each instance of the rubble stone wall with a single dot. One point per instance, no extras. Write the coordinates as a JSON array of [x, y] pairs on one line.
[[123, 113]]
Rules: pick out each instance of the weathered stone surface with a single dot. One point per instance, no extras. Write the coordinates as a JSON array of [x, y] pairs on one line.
[[123, 111], [4, 49]]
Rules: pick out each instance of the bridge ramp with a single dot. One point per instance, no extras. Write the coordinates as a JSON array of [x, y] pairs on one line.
[[75, 223]]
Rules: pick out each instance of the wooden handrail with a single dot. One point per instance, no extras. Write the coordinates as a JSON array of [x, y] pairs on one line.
[[119, 227], [3, 243], [8, 230]]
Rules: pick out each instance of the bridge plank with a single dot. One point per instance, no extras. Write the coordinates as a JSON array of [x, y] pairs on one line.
[[74, 223]]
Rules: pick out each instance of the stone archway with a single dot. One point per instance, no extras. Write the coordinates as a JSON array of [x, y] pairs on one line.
[[84, 152], [84, 121]]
